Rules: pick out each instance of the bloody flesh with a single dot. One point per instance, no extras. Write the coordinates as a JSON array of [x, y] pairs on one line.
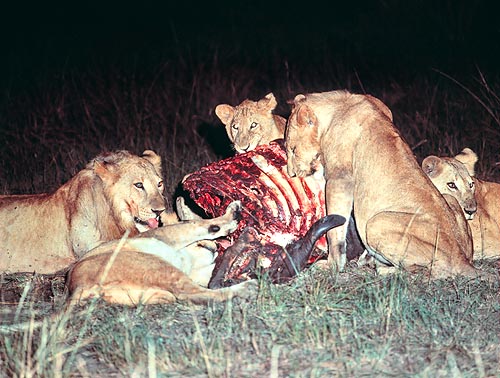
[[280, 208]]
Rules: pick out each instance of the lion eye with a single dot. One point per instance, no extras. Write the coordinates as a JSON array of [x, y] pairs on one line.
[[139, 185], [160, 184], [451, 185], [253, 125], [234, 126]]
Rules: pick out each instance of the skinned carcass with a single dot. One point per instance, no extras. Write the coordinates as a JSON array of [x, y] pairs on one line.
[[277, 210]]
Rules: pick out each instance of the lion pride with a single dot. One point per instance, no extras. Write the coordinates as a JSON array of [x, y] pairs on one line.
[[115, 192], [401, 217]]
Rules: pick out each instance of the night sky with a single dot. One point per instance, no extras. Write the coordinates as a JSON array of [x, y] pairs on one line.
[[380, 35]]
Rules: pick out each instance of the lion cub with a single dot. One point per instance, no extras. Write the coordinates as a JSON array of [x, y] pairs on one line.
[[479, 200], [157, 266], [401, 217], [251, 123]]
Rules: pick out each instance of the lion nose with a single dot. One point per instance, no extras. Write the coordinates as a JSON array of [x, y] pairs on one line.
[[157, 211], [469, 212], [158, 217]]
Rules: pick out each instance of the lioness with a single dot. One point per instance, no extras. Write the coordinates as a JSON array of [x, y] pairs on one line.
[[251, 123], [156, 266], [479, 200], [401, 217], [46, 232]]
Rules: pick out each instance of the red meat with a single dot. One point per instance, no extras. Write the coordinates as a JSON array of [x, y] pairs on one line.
[[280, 208]]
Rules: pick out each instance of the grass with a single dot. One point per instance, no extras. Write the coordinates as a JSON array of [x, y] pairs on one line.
[[322, 324], [353, 324]]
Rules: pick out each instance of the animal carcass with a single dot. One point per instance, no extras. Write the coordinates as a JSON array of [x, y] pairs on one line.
[[277, 210]]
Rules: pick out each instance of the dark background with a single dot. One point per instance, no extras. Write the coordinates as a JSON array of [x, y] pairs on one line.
[[397, 37]]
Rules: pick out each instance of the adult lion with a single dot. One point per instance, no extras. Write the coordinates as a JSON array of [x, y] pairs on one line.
[[479, 200], [401, 217], [251, 123], [157, 266], [115, 192]]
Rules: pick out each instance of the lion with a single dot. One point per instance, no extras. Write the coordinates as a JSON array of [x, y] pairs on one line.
[[401, 217], [156, 266], [251, 123], [114, 193], [479, 200]]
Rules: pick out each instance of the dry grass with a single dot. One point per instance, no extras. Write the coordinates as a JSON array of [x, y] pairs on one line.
[[353, 324]]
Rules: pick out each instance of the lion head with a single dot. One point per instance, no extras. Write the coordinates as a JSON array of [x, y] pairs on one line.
[[134, 187], [454, 176], [251, 123], [302, 140]]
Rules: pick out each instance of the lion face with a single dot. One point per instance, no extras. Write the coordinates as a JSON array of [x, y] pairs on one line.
[[302, 142], [251, 123], [452, 176], [134, 186]]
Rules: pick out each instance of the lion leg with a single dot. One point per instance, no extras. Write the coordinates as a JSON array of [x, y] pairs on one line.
[[136, 277], [485, 236], [412, 241], [201, 295], [132, 295], [339, 200], [122, 294]]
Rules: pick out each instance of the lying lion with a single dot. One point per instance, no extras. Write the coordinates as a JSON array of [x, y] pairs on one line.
[[401, 217], [251, 123], [115, 192], [479, 200], [157, 266]]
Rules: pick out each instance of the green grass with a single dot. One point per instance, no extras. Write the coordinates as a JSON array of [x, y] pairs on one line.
[[351, 324]]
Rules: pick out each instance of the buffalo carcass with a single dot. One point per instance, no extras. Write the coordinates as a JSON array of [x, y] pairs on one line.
[[277, 213]]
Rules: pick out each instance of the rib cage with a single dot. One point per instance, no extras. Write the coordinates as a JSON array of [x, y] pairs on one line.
[[279, 207]]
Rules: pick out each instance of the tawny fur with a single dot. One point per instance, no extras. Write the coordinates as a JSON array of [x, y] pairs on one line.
[[45, 233], [479, 200], [251, 123], [401, 217], [452, 177], [157, 266]]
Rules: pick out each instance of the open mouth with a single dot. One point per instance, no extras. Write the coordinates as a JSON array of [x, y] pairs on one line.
[[150, 223]]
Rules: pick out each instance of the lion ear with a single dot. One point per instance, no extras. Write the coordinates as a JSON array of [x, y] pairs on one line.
[[468, 158], [431, 165], [268, 102], [380, 106], [103, 168], [299, 98], [306, 117], [225, 113], [154, 159]]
